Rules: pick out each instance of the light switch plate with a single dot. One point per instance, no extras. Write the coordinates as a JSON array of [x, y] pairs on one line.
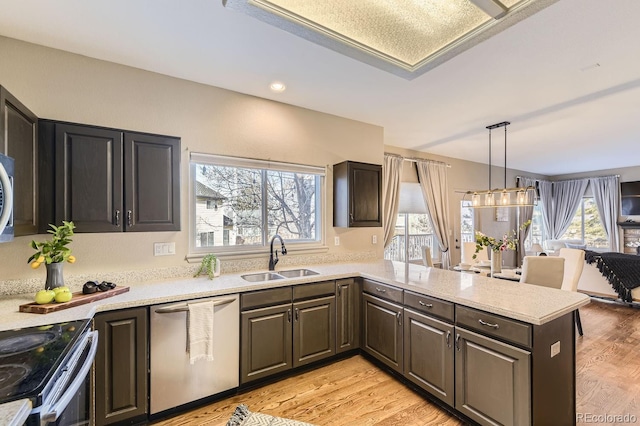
[[374, 239], [164, 249], [336, 241]]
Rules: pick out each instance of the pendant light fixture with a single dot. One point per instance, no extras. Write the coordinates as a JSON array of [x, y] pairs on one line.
[[504, 197]]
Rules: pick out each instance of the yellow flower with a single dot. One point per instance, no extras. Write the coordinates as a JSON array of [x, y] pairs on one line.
[[71, 259]]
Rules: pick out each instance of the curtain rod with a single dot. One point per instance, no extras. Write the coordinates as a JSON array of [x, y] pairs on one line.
[[564, 180], [415, 160]]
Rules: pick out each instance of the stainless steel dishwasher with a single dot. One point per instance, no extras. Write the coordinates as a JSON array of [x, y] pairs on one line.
[[173, 380]]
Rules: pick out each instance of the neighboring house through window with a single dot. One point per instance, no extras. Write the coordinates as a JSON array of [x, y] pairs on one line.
[[241, 203]]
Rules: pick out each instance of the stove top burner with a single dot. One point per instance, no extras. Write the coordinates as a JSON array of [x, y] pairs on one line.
[[22, 343], [10, 375]]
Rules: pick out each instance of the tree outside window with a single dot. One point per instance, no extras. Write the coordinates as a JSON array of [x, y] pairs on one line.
[[587, 226], [253, 204]]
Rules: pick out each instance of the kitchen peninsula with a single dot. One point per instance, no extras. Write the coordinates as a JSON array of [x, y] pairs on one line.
[[530, 327]]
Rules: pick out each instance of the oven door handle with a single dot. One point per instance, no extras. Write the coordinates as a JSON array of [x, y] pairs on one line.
[[52, 413]]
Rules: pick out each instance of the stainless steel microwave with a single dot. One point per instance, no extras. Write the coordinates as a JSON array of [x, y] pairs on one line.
[[6, 198]]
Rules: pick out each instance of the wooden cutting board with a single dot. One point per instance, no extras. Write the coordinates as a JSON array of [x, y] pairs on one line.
[[77, 300]]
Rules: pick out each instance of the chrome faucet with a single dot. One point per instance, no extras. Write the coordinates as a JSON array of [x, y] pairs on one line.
[[283, 250]]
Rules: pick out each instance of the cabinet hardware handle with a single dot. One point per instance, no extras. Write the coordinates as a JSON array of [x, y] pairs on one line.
[[458, 342], [117, 218], [448, 339], [496, 326], [381, 290], [297, 314], [339, 290], [351, 216], [426, 305], [129, 218], [289, 315], [399, 318]]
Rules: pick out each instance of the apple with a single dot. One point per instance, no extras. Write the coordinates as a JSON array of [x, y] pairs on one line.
[[57, 290], [63, 296], [45, 296]]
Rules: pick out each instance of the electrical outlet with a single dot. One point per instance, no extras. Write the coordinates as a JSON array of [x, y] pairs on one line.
[[555, 349], [374, 239], [336, 241], [164, 249]]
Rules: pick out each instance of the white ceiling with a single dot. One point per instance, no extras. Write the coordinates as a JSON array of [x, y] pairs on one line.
[[568, 115]]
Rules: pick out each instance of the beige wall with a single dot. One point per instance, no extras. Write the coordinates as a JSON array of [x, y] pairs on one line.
[[64, 86]]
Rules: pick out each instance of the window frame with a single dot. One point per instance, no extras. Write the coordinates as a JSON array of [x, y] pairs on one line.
[[250, 251]]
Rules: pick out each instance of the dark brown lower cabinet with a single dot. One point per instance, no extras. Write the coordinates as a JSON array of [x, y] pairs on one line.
[[493, 380], [314, 336], [429, 354], [277, 336], [382, 333], [348, 301], [266, 342], [121, 366]]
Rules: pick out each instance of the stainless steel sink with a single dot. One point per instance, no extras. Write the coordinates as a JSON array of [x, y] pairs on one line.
[[295, 273], [262, 276]]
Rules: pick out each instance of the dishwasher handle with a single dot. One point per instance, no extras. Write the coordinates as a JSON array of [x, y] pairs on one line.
[[184, 307]]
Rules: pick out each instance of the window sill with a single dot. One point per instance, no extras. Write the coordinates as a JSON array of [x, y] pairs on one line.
[[257, 253]]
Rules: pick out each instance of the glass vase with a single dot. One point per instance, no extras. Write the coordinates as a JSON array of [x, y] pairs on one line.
[[55, 277], [496, 262]]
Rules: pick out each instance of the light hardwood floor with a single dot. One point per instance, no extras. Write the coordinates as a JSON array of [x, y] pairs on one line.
[[355, 392]]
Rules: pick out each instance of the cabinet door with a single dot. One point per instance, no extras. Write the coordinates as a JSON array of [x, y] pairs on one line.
[[382, 332], [152, 182], [428, 354], [121, 366], [266, 337], [357, 194], [88, 177], [19, 140], [493, 380], [314, 330], [365, 185], [348, 295]]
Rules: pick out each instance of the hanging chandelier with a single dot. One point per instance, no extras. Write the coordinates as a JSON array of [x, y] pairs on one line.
[[501, 197]]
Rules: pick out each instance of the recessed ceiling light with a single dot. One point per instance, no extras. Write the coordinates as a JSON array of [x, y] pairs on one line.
[[277, 86]]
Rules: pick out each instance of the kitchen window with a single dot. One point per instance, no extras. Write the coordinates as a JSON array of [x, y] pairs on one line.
[[239, 204]]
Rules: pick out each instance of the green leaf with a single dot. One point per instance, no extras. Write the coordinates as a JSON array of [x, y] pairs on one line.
[[34, 245]]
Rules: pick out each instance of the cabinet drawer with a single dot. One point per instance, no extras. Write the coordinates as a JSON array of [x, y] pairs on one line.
[[307, 291], [260, 298], [382, 290], [494, 325], [429, 305]]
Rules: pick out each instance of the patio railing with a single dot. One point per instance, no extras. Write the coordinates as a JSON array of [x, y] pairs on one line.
[[395, 250]]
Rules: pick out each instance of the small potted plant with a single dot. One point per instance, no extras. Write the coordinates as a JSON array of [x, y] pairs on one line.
[[210, 265], [54, 253]]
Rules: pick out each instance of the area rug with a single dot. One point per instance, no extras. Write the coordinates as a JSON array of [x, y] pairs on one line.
[[243, 417]]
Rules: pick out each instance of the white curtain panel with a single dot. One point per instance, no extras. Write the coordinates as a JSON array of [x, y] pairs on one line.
[[606, 192], [433, 181], [546, 198], [567, 195], [391, 175], [525, 213]]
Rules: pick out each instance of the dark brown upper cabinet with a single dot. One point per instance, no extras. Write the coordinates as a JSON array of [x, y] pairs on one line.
[[19, 140], [357, 195], [109, 180]]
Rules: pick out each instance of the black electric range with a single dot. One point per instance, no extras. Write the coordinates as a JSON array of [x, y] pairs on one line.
[[30, 358]]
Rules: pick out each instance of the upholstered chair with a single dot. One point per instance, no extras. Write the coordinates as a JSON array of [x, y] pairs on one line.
[[573, 266], [543, 271]]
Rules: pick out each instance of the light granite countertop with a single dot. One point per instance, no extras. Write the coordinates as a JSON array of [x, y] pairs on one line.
[[15, 413], [531, 304]]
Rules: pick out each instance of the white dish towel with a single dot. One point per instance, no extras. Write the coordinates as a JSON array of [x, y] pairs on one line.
[[200, 331]]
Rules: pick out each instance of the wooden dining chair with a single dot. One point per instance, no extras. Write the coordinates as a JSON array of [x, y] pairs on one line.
[[547, 271]]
